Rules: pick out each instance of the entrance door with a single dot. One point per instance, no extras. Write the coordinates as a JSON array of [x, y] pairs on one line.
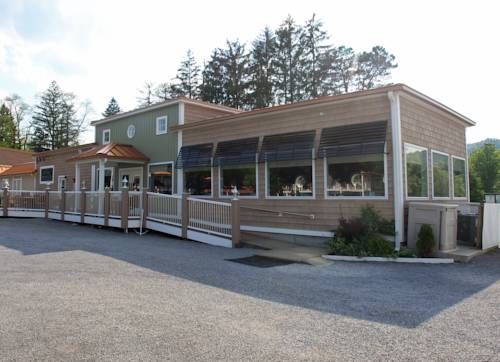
[[134, 177]]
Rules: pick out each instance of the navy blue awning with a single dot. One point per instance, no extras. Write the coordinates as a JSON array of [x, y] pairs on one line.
[[236, 152], [288, 146], [195, 156]]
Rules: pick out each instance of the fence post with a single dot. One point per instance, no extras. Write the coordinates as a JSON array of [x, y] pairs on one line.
[[125, 206], [106, 206], [145, 207], [63, 204], [185, 214], [479, 227], [82, 206], [6, 201], [47, 195], [235, 222]]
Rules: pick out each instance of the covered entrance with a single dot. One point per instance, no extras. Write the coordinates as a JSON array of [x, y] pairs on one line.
[[134, 177]]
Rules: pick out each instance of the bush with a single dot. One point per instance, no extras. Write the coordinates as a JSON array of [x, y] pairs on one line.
[[425, 242], [370, 245], [351, 229]]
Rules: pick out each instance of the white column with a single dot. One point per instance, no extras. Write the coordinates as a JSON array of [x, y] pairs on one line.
[[397, 159], [77, 176], [102, 170], [179, 171]]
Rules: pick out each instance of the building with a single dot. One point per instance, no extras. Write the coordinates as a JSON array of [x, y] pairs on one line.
[[297, 168], [17, 168]]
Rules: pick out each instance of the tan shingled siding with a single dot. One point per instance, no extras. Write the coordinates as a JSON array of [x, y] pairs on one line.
[[28, 180], [429, 127], [327, 212], [193, 113]]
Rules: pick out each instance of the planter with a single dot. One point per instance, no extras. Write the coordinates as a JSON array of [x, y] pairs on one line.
[[390, 260]]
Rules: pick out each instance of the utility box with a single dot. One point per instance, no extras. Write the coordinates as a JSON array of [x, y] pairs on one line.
[[442, 218]]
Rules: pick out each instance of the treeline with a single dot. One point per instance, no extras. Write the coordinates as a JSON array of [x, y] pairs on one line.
[[291, 63]]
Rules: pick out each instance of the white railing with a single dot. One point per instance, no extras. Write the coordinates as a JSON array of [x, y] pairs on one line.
[[27, 200], [94, 203], [134, 203], [54, 201], [115, 203], [213, 217], [165, 208], [72, 202]]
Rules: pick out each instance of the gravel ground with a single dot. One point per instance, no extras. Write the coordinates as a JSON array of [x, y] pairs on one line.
[[70, 292]]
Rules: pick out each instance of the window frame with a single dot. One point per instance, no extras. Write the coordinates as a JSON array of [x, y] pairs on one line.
[[211, 184], [158, 132], [130, 127], [313, 181], [53, 175], [256, 196], [432, 177], [17, 179], [426, 149], [159, 164], [325, 184], [466, 178], [104, 132]]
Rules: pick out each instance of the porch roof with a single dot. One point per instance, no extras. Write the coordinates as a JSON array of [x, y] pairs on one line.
[[20, 169], [112, 151]]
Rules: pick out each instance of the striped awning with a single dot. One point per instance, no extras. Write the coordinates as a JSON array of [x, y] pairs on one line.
[[236, 152], [351, 140], [195, 156], [288, 146]]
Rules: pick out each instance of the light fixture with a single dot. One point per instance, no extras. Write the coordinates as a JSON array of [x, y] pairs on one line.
[[125, 181]]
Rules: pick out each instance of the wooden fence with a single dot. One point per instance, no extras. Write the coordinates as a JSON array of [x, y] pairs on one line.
[[211, 222]]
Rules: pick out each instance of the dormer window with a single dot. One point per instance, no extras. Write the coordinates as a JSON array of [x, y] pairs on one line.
[[106, 136], [161, 125]]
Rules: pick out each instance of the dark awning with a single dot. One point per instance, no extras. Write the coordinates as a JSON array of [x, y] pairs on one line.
[[236, 152], [195, 156], [357, 139], [289, 146]]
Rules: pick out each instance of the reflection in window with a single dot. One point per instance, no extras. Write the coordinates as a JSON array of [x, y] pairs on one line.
[[241, 177], [161, 178], [416, 171], [440, 175], [459, 178], [290, 178], [198, 181], [356, 176]]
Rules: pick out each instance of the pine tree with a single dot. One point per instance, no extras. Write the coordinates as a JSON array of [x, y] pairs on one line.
[[165, 91], [262, 70], [146, 95], [7, 128], [112, 108], [212, 87], [188, 76], [235, 61], [343, 69], [373, 68]]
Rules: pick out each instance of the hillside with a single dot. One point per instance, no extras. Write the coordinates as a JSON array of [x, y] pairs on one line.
[[472, 146]]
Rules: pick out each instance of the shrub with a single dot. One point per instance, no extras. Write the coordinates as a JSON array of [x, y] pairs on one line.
[[351, 229], [371, 219], [370, 245], [425, 242]]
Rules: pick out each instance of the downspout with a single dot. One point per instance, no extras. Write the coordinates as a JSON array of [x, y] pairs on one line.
[[397, 159]]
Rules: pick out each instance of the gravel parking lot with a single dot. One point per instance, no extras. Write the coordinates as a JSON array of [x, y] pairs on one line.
[[71, 292]]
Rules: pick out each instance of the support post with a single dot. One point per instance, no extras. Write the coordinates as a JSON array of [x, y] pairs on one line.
[[106, 206], [145, 207], [63, 204], [47, 195], [83, 206], [6, 201], [125, 206], [185, 214], [235, 222]]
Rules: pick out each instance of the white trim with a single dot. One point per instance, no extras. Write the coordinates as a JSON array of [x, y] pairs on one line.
[[157, 122], [159, 164], [313, 180], [416, 198], [131, 129], [94, 174], [179, 187], [368, 198], [59, 179], [256, 196], [453, 179], [287, 231], [92, 177], [14, 179], [467, 165], [53, 175], [104, 131], [164, 228], [209, 239], [181, 113], [432, 177], [397, 159]]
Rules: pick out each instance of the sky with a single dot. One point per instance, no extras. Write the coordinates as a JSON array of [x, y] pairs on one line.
[[97, 49]]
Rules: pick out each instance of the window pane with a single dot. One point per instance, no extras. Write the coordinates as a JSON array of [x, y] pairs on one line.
[[108, 179], [458, 178], [46, 174], [161, 178], [440, 175], [356, 176], [241, 177], [416, 172], [292, 178], [198, 182]]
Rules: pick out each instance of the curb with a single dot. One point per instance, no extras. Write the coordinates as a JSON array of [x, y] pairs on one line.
[[390, 260]]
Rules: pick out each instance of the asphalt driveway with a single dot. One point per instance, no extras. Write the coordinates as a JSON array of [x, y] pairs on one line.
[[71, 292]]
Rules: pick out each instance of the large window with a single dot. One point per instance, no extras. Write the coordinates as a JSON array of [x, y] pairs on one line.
[[161, 178], [416, 171], [459, 175], [106, 136], [440, 175], [47, 175], [356, 176], [241, 177], [198, 181], [290, 178]]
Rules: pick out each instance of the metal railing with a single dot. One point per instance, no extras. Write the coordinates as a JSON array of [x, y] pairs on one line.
[[213, 217], [165, 208]]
